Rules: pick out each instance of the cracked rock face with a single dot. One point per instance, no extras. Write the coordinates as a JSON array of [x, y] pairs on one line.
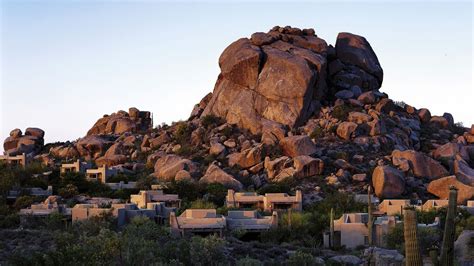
[[283, 75]]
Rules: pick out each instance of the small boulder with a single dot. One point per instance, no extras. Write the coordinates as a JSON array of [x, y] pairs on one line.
[[169, 165], [307, 166], [345, 130], [215, 174], [297, 145], [424, 115]]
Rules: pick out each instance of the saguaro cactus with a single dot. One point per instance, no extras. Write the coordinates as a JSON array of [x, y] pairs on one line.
[[331, 228], [370, 223], [447, 250], [412, 249]]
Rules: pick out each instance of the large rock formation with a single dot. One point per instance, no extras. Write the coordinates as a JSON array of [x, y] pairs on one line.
[[121, 122], [282, 76], [388, 182], [30, 143]]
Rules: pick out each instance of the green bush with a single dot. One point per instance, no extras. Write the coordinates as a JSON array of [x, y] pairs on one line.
[[247, 261], [210, 121], [182, 133], [341, 112], [300, 258], [318, 132]]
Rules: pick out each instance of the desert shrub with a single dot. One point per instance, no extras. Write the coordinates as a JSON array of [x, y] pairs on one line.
[[318, 132], [247, 261], [9, 220], [216, 193], [186, 150], [182, 133], [207, 251], [427, 236], [280, 187], [273, 151], [23, 202], [300, 258], [458, 128], [208, 121], [202, 204], [400, 104], [227, 131], [341, 112], [68, 191]]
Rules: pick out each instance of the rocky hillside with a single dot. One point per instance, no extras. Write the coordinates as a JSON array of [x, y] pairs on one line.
[[286, 107]]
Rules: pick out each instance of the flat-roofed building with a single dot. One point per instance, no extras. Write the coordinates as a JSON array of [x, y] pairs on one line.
[[34, 191], [352, 231], [244, 200], [393, 206], [268, 202], [44, 209], [149, 196], [364, 198], [434, 204], [19, 160], [124, 212], [100, 174], [197, 221], [251, 221], [75, 167], [283, 201]]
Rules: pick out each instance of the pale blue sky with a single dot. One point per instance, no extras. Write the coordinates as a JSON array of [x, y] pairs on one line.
[[66, 63]]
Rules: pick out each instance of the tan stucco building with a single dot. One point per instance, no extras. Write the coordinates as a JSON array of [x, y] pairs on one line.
[[149, 196], [20, 160], [268, 202], [75, 167]]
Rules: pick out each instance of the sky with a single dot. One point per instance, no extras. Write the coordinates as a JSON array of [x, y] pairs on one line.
[[64, 64]]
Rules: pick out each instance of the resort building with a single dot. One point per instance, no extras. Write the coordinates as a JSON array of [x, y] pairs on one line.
[[44, 209], [34, 191], [100, 174], [251, 221], [149, 196], [122, 185], [20, 160], [124, 212], [194, 221], [269, 202], [393, 206], [75, 167], [434, 204], [364, 198], [351, 230]]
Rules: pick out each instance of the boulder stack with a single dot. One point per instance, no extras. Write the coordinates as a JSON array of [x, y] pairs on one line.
[[283, 75], [30, 143]]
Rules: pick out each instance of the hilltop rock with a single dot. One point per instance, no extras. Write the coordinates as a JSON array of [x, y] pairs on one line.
[[420, 164], [281, 76], [121, 122], [388, 182], [215, 174], [30, 143], [440, 188]]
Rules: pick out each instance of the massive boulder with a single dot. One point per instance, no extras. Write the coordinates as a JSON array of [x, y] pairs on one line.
[[121, 122], [388, 182], [440, 188], [282, 76], [420, 164], [30, 143]]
